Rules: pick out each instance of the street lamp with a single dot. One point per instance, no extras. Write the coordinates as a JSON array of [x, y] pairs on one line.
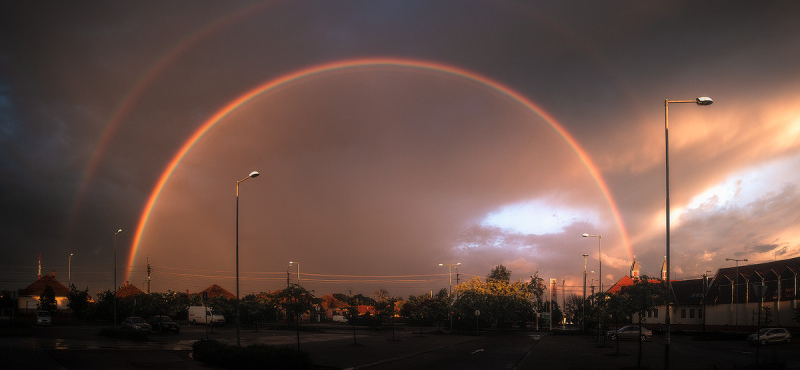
[[600, 272], [69, 269], [238, 328], [703, 100], [599, 258], [736, 282], [115, 277], [450, 274], [298, 270], [583, 303], [450, 287]]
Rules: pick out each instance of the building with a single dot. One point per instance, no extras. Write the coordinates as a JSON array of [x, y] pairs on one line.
[[29, 297], [128, 290], [729, 301], [217, 291], [735, 292]]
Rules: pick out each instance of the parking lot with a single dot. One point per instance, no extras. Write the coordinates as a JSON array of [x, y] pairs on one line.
[[332, 345]]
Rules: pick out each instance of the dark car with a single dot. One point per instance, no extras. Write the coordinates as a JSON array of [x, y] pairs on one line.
[[163, 324], [770, 335], [135, 323], [630, 332]]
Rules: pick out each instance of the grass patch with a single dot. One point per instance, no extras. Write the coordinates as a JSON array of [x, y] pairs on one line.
[[261, 356]]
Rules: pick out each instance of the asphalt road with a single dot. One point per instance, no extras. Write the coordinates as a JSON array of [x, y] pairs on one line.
[[334, 347]]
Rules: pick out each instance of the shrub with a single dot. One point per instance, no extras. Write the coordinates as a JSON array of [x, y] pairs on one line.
[[261, 356]]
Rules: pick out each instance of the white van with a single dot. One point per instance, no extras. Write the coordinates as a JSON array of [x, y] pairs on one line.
[[205, 315]]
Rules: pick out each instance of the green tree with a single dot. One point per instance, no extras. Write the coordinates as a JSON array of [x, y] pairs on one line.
[[47, 301], [384, 306], [427, 309], [500, 273], [497, 300], [78, 300], [642, 296], [297, 300]]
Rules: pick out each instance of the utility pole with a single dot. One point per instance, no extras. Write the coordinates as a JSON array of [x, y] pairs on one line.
[[563, 303], [148, 274]]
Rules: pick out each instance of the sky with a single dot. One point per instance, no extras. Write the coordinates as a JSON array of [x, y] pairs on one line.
[[392, 137]]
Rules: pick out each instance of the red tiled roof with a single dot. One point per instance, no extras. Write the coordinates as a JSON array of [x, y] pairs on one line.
[[328, 302], [626, 281], [37, 288], [215, 291], [128, 290]]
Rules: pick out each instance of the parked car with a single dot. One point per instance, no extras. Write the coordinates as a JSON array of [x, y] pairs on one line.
[[339, 318], [630, 332], [43, 318], [136, 323], [163, 324], [770, 335]]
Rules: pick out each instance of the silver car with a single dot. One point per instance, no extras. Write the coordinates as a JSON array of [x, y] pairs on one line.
[[630, 332], [770, 335], [136, 323]]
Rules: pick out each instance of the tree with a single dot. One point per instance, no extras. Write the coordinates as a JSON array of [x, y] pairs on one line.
[[78, 300], [47, 301], [427, 308], [573, 309], [498, 300], [642, 296], [384, 306], [297, 300], [500, 273]]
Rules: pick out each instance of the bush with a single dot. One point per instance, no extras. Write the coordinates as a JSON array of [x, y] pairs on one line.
[[261, 356]]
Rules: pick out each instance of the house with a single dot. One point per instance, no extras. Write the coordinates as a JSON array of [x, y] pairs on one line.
[[217, 291], [29, 297], [332, 306], [128, 290]]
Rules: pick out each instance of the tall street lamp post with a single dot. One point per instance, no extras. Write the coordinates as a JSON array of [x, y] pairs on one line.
[[600, 277], [115, 277], [704, 100], [450, 287], [69, 270], [298, 270], [736, 291], [238, 326], [583, 304]]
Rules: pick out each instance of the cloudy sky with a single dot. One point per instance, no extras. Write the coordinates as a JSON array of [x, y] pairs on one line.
[[392, 136]]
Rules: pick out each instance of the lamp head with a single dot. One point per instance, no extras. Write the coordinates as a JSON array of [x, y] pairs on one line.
[[256, 174], [585, 235], [441, 264], [704, 100], [118, 231]]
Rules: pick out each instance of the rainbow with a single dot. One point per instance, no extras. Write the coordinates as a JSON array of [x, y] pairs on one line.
[[412, 64]]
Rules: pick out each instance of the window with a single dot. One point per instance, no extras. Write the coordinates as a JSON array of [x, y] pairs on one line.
[[699, 313], [691, 313], [655, 313], [649, 313], [683, 313]]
